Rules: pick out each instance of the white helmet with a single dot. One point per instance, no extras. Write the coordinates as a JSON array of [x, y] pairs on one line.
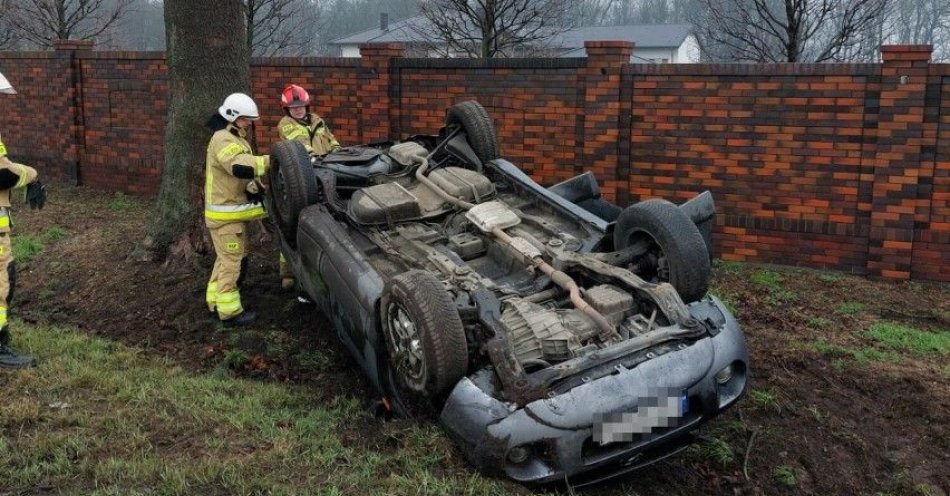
[[238, 105], [5, 86]]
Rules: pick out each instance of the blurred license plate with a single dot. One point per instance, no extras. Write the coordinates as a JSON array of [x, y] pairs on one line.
[[651, 414]]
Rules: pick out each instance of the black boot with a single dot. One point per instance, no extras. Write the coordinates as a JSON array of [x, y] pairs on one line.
[[243, 319], [9, 358]]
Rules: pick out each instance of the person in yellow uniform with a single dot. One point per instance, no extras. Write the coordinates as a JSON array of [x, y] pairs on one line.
[[299, 124], [231, 181], [12, 175]]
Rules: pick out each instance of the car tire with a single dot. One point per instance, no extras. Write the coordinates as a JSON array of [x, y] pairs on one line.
[[676, 252], [478, 126], [416, 308], [293, 185]]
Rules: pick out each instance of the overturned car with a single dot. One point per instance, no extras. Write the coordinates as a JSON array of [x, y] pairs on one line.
[[555, 335]]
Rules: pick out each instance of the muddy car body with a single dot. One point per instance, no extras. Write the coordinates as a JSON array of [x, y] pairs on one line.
[[554, 334]]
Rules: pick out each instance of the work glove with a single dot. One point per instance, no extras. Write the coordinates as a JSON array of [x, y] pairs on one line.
[[255, 191], [36, 195]]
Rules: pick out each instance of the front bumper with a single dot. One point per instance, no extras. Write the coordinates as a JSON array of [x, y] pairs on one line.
[[555, 436]]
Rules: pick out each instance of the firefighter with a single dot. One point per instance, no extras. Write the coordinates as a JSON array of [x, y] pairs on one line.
[[232, 199], [302, 125], [312, 132], [12, 175]]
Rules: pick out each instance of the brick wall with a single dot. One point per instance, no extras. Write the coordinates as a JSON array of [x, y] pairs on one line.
[[780, 146], [835, 166]]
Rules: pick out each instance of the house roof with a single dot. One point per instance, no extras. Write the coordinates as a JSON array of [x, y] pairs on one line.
[[643, 35], [406, 30]]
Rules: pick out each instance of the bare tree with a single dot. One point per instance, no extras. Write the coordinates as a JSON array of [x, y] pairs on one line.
[[42, 22], [8, 38], [207, 60], [786, 30], [595, 12], [492, 28], [923, 22], [280, 27]]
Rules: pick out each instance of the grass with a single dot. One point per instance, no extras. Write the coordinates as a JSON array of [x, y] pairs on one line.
[[55, 233], [764, 399], [784, 475], [850, 308], [830, 277], [717, 451], [905, 338], [120, 202], [862, 355], [769, 279], [819, 323], [728, 266], [101, 418], [26, 247]]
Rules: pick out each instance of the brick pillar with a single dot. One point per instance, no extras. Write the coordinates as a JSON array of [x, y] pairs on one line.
[[602, 113], [376, 117], [73, 146], [897, 163]]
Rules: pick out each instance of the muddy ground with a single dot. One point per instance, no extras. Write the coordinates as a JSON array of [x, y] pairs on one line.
[[832, 409]]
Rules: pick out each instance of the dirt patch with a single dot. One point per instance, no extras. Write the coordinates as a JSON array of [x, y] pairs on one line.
[[832, 409]]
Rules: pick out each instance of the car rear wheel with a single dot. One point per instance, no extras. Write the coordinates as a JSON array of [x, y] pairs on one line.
[[293, 185], [425, 340], [478, 126], [674, 248]]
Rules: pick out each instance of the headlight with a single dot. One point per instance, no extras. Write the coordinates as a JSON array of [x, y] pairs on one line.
[[519, 454], [724, 375], [730, 381]]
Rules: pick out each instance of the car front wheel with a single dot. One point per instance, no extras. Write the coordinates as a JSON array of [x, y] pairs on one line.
[[674, 250], [425, 339]]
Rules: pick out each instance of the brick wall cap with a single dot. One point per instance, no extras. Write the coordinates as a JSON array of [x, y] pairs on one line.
[[73, 44], [907, 48], [609, 44]]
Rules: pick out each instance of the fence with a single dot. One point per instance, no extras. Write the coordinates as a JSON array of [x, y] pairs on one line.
[[843, 166]]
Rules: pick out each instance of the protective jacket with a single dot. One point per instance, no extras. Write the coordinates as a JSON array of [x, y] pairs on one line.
[[230, 167], [12, 175], [312, 132]]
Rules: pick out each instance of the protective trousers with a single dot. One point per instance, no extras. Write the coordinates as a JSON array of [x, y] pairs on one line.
[[230, 248], [6, 256]]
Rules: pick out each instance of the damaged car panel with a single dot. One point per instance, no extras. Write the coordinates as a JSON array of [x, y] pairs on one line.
[[554, 334]]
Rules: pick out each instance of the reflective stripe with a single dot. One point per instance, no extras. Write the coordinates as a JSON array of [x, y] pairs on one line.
[[247, 211], [298, 133], [230, 151], [211, 294], [260, 162], [229, 303], [3, 316], [3, 150], [4, 221]]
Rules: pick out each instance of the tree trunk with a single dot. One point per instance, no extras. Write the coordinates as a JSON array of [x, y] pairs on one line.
[[208, 59]]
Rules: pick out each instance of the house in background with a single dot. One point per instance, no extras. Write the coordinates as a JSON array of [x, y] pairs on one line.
[[653, 43]]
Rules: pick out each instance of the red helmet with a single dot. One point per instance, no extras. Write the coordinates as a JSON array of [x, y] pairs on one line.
[[294, 96]]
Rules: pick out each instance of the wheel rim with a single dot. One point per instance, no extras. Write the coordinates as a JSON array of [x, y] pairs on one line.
[[407, 354]]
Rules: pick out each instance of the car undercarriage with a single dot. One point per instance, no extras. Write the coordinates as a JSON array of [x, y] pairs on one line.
[[466, 289]]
